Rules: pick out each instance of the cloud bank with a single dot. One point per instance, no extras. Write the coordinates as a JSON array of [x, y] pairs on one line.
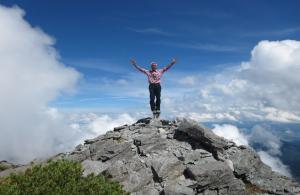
[[91, 125], [261, 136], [31, 75], [265, 88]]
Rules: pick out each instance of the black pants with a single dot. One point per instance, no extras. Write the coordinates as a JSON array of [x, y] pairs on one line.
[[155, 89]]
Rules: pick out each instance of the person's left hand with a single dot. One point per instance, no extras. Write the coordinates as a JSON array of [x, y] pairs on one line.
[[173, 61]]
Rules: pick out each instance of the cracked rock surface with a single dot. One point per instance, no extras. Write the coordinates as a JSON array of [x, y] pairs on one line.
[[160, 157]]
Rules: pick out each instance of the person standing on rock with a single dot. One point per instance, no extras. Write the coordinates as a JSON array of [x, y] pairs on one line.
[[154, 75]]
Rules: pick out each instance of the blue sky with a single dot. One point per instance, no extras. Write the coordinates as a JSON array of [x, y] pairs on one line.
[[237, 63], [98, 38]]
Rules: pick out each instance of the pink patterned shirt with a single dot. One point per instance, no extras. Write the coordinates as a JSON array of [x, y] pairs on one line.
[[154, 76]]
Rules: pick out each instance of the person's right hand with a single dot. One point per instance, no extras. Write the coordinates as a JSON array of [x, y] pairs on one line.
[[133, 62]]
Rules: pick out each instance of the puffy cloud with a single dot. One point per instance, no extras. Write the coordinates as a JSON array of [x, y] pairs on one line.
[[264, 88], [277, 115], [103, 123], [208, 116], [31, 75], [273, 70], [230, 132], [270, 145], [90, 125], [275, 163], [263, 136], [188, 80]]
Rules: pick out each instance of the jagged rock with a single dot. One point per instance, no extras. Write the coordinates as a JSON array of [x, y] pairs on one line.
[[133, 174], [249, 167], [106, 149], [80, 153], [165, 166], [200, 137], [177, 189], [147, 190], [198, 156], [120, 127], [144, 120], [162, 157], [215, 175], [95, 167], [155, 123], [150, 143]]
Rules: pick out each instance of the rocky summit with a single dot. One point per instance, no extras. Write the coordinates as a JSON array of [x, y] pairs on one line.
[[160, 157]]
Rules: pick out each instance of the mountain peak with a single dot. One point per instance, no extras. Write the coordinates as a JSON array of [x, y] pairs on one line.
[[181, 156]]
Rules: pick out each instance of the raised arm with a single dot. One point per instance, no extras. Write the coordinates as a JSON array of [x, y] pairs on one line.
[[133, 62], [169, 65]]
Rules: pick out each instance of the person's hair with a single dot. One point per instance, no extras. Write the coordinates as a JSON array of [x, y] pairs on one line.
[[153, 64]]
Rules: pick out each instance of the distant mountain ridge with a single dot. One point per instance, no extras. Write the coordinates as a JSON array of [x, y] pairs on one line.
[[159, 157]]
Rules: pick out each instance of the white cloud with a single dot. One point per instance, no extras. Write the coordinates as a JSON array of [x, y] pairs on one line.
[[31, 75], [277, 115], [103, 123], [259, 135], [202, 46], [275, 163], [154, 31], [267, 87], [196, 116], [207, 116], [230, 132], [263, 136], [91, 125], [188, 80], [274, 71]]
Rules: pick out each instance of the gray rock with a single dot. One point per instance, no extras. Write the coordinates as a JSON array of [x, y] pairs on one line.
[[181, 186], [177, 189], [215, 175], [249, 167], [107, 149], [120, 127], [200, 137], [150, 143], [155, 123], [144, 120], [81, 153], [18, 169], [165, 166], [96, 167], [161, 157], [198, 156], [133, 174], [147, 190]]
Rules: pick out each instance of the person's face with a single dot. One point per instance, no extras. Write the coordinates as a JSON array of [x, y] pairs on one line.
[[153, 67]]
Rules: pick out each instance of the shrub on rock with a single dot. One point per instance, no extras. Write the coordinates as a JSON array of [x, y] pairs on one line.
[[58, 177]]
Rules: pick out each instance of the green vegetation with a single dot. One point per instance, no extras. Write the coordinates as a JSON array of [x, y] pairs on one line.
[[3, 167], [61, 177]]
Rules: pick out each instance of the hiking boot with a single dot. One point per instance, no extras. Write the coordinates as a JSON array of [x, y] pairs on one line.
[[154, 113], [157, 113]]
